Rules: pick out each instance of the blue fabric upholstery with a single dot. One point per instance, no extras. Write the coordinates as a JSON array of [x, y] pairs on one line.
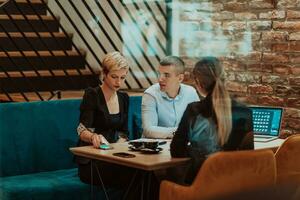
[[35, 161], [134, 117], [59, 184], [36, 136]]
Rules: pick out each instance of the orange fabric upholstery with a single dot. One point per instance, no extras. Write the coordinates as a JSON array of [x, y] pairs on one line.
[[225, 173], [288, 161]]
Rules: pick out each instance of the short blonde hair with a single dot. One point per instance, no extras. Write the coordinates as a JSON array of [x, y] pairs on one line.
[[114, 61]]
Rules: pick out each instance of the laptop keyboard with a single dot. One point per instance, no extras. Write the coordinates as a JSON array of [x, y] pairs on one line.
[[261, 121]]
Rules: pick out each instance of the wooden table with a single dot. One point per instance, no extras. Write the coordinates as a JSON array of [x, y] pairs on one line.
[[145, 162], [148, 162]]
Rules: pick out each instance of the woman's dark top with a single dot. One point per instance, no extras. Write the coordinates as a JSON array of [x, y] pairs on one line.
[[196, 136], [94, 114]]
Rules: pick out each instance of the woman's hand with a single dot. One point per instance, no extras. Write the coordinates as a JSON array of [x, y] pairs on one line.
[[98, 139], [121, 140]]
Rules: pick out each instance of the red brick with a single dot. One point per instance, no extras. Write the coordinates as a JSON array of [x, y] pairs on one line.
[[248, 77], [293, 102], [273, 58], [271, 100], [274, 36], [255, 36], [230, 76], [295, 59], [252, 56], [292, 113], [280, 47], [289, 25], [267, 68], [294, 36], [260, 25], [245, 16], [257, 46], [251, 100], [254, 67], [225, 15], [260, 89], [234, 25], [261, 4], [233, 66], [272, 79], [294, 124], [236, 87], [235, 6], [287, 4], [295, 70], [281, 69], [282, 90], [275, 14], [295, 46], [292, 14], [217, 7], [295, 90], [294, 80]]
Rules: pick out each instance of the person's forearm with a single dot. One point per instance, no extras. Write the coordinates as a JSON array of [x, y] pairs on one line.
[[159, 132]]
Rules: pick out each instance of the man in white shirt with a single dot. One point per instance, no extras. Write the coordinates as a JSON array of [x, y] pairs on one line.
[[164, 103]]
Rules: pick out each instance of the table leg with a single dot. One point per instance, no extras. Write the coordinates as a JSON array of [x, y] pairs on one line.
[[102, 184], [149, 174], [92, 181], [130, 185]]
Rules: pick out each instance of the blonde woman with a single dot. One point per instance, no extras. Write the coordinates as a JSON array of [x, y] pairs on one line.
[[214, 124], [103, 119]]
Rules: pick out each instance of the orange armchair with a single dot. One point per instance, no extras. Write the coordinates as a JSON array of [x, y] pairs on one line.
[[288, 161], [224, 173]]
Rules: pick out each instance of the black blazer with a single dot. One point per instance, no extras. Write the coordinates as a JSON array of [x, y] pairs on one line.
[[94, 114], [200, 116]]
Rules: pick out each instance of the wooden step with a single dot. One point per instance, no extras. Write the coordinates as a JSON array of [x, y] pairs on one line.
[[31, 96], [50, 24], [38, 41], [48, 83], [33, 7], [60, 60], [64, 94], [45, 73]]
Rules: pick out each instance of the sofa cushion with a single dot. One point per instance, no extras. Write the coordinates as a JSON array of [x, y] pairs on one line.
[[137, 129], [134, 117], [36, 136], [60, 184]]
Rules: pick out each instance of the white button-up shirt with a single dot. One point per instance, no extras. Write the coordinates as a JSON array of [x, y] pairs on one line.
[[162, 114]]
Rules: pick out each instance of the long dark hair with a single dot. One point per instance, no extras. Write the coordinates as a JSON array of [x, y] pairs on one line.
[[209, 74]]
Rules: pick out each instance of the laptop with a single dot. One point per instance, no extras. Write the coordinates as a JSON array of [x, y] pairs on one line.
[[266, 123]]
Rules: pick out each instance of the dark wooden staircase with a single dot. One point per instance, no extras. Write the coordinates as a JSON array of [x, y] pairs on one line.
[[36, 59]]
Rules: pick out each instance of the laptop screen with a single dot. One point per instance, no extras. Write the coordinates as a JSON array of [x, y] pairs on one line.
[[266, 120]]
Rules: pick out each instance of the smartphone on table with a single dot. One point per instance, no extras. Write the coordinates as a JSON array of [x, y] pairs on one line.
[[105, 146]]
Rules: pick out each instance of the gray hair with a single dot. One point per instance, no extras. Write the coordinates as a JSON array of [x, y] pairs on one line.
[[173, 61]]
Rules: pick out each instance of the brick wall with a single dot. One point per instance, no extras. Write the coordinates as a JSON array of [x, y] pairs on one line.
[[259, 44]]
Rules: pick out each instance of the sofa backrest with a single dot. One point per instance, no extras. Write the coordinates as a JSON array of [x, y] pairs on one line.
[[36, 136]]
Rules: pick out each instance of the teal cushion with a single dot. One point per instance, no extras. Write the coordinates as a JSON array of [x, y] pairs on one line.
[[134, 116], [60, 184], [36, 136], [137, 125]]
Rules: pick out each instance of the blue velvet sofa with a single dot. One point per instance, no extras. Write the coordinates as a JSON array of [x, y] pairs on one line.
[[35, 161]]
